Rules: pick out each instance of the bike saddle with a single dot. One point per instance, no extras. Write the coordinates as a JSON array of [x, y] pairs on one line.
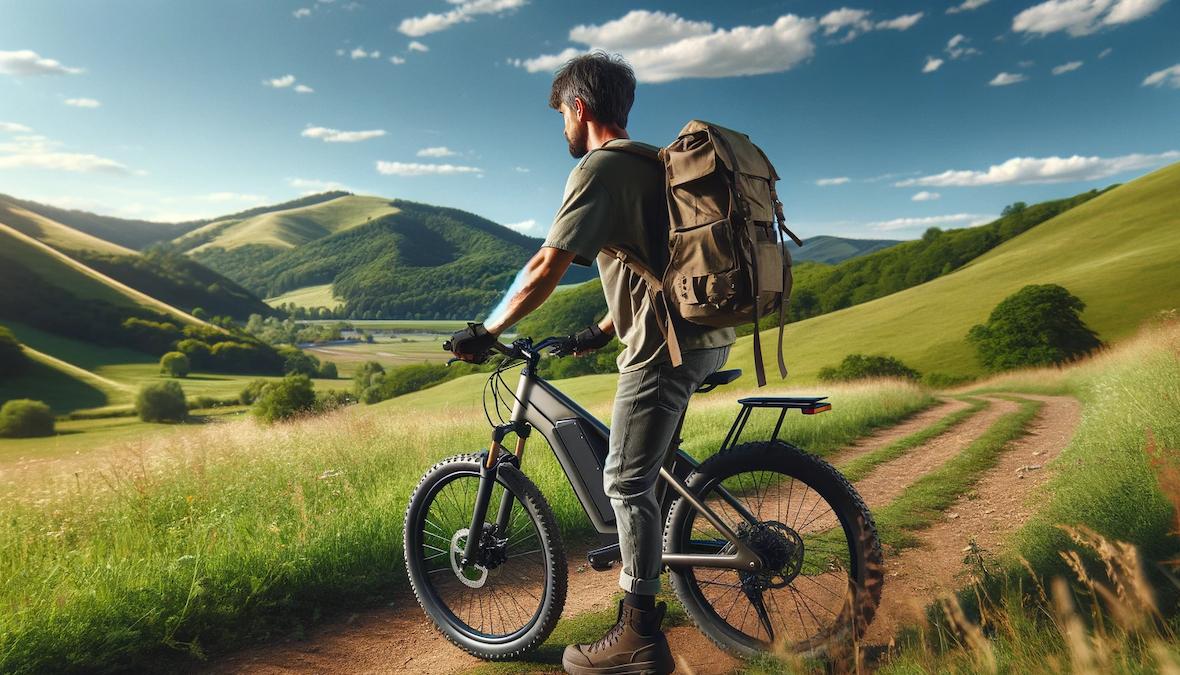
[[719, 378]]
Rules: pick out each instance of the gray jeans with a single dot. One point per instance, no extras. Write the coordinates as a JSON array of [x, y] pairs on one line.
[[648, 407]]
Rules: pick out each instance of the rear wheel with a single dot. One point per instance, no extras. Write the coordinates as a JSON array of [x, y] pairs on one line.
[[822, 581], [508, 604]]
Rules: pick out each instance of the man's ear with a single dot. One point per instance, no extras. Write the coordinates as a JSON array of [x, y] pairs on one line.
[[580, 110]]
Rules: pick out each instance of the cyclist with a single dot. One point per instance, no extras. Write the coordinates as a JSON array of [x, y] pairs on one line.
[[616, 199]]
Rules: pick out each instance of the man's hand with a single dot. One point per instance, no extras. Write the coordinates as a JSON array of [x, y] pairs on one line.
[[472, 343], [590, 339]]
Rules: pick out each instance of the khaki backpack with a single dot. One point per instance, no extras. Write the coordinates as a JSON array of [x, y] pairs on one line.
[[728, 263]]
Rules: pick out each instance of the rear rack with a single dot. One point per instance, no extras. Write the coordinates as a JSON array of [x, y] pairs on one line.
[[808, 405]]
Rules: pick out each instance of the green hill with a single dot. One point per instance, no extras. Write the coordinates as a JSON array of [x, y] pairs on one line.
[[1119, 252], [835, 250]]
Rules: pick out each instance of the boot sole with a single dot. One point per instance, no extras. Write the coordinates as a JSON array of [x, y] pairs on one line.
[[644, 668]]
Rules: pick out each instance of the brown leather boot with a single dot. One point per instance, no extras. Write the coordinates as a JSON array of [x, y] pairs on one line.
[[635, 646]]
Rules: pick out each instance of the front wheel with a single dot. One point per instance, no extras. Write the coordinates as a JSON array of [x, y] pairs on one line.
[[822, 580], [508, 604]]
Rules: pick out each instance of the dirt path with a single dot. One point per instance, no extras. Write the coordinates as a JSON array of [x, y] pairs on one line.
[[398, 639], [1002, 501], [914, 424]]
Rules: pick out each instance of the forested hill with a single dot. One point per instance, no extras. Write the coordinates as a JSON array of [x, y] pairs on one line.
[[414, 261], [835, 250]]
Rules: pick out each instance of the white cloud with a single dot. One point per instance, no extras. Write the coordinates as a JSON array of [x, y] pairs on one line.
[[1066, 67], [1081, 17], [82, 102], [823, 182], [1030, 64], [302, 12], [925, 196], [280, 82], [440, 151], [1029, 170], [904, 22], [971, 219], [415, 169], [956, 51], [314, 186], [521, 169], [1169, 76], [967, 6], [303, 89], [14, 127], [416, 46], [1105, 53], [360, 53], [1004, 79], [40, 152], [932, 64], [27, 62], [337, 136], [639, 29], [230, 197], [743, 50], [463, 13], [523, 226], [396, 60]]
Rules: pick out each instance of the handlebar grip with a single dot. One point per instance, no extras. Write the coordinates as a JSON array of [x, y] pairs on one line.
[[447, 345]]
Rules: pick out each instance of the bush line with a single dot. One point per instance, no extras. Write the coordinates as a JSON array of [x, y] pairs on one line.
[[860, 467], [922, 503]]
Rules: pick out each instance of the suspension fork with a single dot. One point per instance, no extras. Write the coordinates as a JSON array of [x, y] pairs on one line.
[[488, 469]]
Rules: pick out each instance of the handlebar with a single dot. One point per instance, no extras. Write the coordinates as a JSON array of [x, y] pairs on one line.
[[521, 348]]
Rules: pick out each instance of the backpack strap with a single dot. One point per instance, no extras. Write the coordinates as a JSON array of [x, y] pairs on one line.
[[657, 298], [780, 231]]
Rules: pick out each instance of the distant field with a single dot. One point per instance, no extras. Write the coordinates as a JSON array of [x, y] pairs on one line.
[[400, 351], [308, 296], [425, 325], [1118, 252]]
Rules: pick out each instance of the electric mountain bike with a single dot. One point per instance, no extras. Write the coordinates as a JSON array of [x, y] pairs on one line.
[[767, 546]]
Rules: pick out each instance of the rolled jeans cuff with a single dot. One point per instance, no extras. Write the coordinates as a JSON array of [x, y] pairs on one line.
[[639, 586]]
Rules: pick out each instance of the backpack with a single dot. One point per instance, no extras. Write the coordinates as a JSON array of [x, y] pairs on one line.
[[727, 259]]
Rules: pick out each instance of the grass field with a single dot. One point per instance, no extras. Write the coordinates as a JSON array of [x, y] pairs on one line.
[[390, 352], [55, 234], [211, 536], [292, 227], [1118, 252], [308, 296]]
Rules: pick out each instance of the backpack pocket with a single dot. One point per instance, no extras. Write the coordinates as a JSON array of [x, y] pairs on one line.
[[770, 259], [706, 278]]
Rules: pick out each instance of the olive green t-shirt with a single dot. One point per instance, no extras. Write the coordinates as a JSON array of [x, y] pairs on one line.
[[615, 199]]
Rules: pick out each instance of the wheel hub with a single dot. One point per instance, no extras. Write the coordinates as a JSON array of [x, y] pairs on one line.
[[493, 552], [780, 547]]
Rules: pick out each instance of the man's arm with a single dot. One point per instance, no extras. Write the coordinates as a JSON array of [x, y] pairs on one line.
[[542, 274]]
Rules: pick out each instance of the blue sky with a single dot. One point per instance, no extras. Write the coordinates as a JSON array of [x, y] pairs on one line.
[[882, 118]]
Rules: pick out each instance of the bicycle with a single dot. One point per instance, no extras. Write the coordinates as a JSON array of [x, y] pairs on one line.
[[751, 577]]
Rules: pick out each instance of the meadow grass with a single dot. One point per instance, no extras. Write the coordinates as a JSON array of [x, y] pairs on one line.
[[308, 296], [218, 536], [292, 227], [860, 467]]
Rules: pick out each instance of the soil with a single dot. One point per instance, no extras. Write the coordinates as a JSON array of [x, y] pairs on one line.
[[399, 638], [911, 425]]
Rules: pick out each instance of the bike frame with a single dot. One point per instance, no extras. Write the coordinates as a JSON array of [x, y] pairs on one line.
[[580, 442]]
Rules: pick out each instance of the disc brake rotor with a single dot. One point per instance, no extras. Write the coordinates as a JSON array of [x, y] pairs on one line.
[[472, 576]]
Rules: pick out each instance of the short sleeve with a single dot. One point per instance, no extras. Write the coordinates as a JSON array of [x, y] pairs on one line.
[[584, 222]]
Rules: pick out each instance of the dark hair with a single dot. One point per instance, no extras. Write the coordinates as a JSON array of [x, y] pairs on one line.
[[605, 83]]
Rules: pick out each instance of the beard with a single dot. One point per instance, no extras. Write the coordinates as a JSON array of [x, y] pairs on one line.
[[578, 142]]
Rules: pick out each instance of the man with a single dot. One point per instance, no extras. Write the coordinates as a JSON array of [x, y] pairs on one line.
[[615, 199]]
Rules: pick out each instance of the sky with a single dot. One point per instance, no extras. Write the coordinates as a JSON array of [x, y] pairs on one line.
[[883, 119]]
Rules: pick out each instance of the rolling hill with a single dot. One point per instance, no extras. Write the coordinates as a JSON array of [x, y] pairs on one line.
[[835, 250], [1119, 252]]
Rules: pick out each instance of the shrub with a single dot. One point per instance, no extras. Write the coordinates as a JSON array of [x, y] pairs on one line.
[[161, 402], [285, 399], [203, 402], [328, 372], [253, 392], [13, 360], [175, 364], [1039, 325], [23, 418], [296, 360], [152, 337], [333, 400], [859, 367], [199, 313], [198, 353], [366, 375]]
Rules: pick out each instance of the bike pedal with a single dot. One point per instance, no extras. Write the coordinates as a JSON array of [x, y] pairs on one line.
[[602, 559]]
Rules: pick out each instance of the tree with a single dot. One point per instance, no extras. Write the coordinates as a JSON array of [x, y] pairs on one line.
[[175, 364], [285, 399], [296, 360], [199, 313], [161, 402], [859, 367], [328, 371], [1013, 209], [24, 418], [366, 375], [13, 360], [1039, 325]]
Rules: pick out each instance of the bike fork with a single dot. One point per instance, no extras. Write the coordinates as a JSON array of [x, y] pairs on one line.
[[488, 469]]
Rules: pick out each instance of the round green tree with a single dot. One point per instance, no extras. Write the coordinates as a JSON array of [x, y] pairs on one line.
[[328, 371], [161, 402], [13, 360], [1039, 325], [285, 399], [859, 367], [24, 418], [175, 364]]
